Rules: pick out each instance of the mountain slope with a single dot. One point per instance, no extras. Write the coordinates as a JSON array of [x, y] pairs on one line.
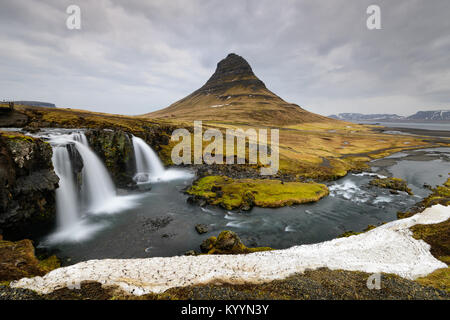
[[437, 115], [235, 94]]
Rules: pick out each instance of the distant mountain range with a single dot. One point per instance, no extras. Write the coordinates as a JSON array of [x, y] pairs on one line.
[[437, 115]]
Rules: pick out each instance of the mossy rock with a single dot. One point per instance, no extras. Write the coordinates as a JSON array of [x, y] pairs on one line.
[[18, 260], [392, 184], [245, 193], [353, 233], [228, 242]]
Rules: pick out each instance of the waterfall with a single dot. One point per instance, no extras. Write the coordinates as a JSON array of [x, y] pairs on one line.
[[77, 205], [66, 196], [97, 188], [149, 167], [96, 195]]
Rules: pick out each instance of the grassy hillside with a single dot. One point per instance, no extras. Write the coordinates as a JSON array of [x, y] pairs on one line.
[[316, 150]]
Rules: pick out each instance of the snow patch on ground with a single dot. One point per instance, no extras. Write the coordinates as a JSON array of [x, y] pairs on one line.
[[219, 105], [388, 248]]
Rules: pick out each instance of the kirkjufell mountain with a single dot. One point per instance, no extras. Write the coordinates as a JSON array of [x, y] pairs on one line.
[[235, 94]]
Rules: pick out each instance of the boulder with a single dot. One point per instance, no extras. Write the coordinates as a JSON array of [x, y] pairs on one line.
[[201, 228], [228, 242]]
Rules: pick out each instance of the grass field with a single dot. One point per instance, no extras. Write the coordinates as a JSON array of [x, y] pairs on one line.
[[315, 150]]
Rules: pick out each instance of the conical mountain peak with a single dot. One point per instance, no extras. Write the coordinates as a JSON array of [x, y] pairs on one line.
[[234, 94], [232, 71], [233, 65]]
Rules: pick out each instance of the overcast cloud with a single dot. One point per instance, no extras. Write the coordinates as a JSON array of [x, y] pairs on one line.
[[133, 57]]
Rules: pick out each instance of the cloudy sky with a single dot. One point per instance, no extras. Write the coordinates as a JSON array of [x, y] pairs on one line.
[[137, 56]]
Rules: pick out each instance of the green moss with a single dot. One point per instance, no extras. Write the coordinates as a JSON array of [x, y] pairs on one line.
[[353, 233], [245, 193], [18, 260], [16, 136], [348, 234], [49, 264], [439, 279], [445, 259]]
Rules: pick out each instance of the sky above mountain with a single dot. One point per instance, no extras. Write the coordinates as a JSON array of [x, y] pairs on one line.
[[134, 57]]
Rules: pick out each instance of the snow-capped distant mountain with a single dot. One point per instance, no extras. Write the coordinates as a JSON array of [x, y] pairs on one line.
[[369, 117], [438, 115]]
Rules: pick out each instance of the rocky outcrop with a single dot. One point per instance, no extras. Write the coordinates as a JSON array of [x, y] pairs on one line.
[[115, 148], [231, 72], [228, 242], [27, 191], [77, 164], [395, 184]]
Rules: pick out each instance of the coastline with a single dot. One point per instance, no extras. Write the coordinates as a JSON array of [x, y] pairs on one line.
[[418, 132]]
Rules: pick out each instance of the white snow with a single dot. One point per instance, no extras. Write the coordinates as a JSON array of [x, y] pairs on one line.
[[389, 248], [219, 105]]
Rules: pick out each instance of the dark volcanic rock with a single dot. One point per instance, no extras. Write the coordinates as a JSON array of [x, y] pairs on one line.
[[201, 228], [27, 191], [155, 224], [115, 148], [232, 71]]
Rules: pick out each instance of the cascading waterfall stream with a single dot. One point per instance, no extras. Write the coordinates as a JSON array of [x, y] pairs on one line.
[[66, 196], [97, 188], [149, 167], [82, 203], [96, 195]]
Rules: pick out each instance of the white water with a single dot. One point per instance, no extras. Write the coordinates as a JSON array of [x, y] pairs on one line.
[[349, 191], [149, 167], [66, 196], [97, 194], [97, 189]]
